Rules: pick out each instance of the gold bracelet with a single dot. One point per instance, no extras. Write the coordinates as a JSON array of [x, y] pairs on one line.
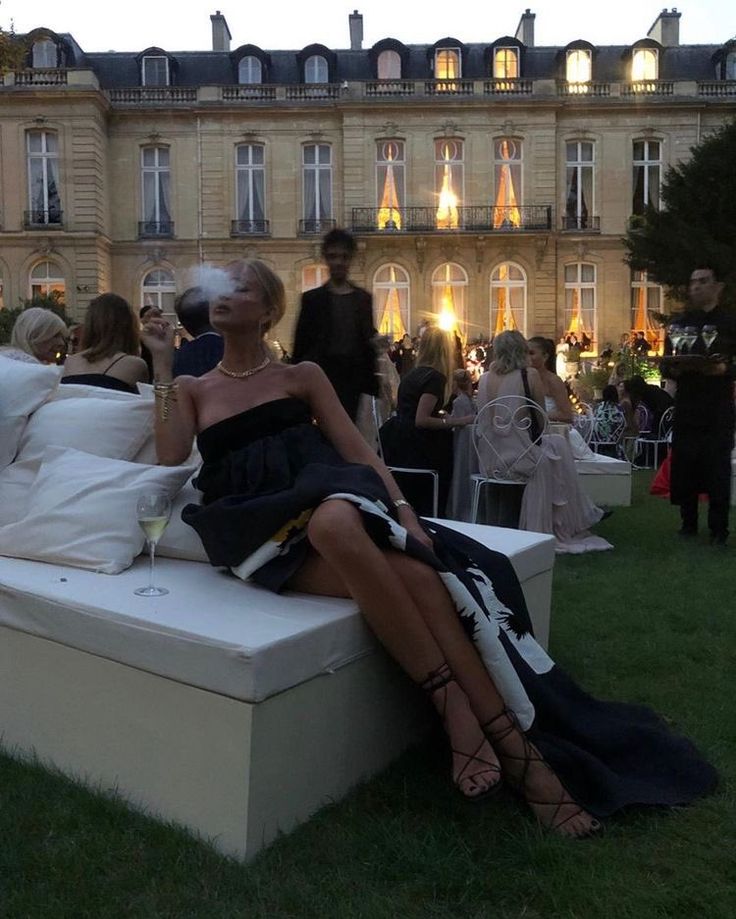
[[165, 395]]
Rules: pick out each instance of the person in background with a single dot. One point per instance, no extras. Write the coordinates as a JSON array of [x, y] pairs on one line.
[[145, 314], [656, 399], [110, 358], [556, 398], [405, 356], [38, 336], [203, 351], [335, 326], [464, 462], [640, 345]]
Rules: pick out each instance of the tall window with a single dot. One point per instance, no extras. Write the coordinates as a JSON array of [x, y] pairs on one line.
[[316, 70], [390, 183], [578, 66], [647, 175], [389, 65], [156, 181], [44, 53], [507, 154], [646, 299], [159, 289], [644, 64], [449, 285], [580, 302], [46, 280], [250, 184], [730, 71], [43, 177], [317, 178], [508, 298], [579, 185], [391, 299], [314, 276], [448, 182], [505, 63], [155, 71], [447, 64], [250, 70]]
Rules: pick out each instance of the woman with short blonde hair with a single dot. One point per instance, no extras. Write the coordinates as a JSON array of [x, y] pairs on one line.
[[40, 334]]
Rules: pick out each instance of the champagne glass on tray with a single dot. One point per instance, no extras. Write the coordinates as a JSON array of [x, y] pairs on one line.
[[153, 512], [708, 333], [675, 332]]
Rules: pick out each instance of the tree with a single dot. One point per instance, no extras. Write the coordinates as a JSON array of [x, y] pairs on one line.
[[697, 222], [13, 50]]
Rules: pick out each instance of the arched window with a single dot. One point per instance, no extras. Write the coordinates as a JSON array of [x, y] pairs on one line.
[[646, 299], [47, 280], [389, 65], [505, 63], [447, 64], [316, 69], [730, 68], [159, 289], [644, 65], [250, 70], [314, 276], [44, 53], [448, 182], [578, 66], [508, 298], [580, 302], [391, 299], [449, 285]]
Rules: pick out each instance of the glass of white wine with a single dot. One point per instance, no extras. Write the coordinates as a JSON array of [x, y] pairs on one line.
[[153, 512]]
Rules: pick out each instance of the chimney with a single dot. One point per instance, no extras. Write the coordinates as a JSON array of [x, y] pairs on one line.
[[666, 28], [220, 33], [525, 29], [356, 30]]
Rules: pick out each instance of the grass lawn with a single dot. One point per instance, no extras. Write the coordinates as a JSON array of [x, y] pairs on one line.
[[654, 621]]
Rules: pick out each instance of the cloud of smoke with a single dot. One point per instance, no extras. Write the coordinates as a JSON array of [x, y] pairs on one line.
[[215, 282]]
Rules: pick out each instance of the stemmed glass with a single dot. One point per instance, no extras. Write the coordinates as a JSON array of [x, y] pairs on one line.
[[690, 336], [676, 333], [709, 333], [153, 512]]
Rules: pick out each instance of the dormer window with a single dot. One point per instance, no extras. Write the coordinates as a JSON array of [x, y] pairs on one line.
[[578, 66], [447, 64], [730, 69], [316, 69], [250, 70], [44, 53], [155, 70], [505, 63], [644, 65], [389, 65]]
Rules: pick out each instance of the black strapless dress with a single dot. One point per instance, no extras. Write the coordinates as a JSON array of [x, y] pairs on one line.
[[102, 381], [264, 472]]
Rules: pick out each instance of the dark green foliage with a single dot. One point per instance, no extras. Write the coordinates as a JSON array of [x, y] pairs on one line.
[[13, 50], [697, 222]]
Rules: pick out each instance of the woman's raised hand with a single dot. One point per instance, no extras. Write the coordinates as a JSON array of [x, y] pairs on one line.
[[158, 336]]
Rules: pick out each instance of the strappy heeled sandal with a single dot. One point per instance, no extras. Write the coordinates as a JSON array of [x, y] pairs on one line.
[[518, 783], [439, 680]]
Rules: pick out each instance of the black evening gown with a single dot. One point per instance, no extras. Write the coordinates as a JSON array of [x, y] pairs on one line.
[[264, 472]]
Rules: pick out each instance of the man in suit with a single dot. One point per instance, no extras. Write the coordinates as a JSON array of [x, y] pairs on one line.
[[204, 351], [335, 326]]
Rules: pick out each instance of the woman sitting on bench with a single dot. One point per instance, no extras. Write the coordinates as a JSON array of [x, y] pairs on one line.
[[293, 498]]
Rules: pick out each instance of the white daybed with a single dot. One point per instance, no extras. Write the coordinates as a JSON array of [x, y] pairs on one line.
[[605, 480]]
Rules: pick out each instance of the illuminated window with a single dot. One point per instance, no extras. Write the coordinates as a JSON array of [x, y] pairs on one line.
[[505, 63], [250, 70], [314, 276], [449, 284], [155, 70], [578, 66], [389, 65], [646, 300], [508, 298], [156, 195], [644, 64], [580, 302], [250, 185], [159, 289], [579, 184], [447, 64], [507, 175], [448, 182], [391, 300], [317, 184], [44, 201], [390, 184], [44, 53], [316, 70], [647, 175], [46, 278]]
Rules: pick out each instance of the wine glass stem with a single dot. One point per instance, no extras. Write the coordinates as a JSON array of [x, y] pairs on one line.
[[151, 554]]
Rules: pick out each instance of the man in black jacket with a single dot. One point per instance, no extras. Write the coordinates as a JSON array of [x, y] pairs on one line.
[[203, 352], [335, 326]]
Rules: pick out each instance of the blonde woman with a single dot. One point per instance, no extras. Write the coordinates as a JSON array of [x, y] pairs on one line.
[[420, 436], [38, 336]]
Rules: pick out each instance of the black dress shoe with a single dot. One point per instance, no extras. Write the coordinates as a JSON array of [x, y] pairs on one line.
[[687, 532]]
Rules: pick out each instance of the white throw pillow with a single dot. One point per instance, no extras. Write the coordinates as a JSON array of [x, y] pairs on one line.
[[81, 510], [179, 539], [85, 391], [23, 387], [105, 427]]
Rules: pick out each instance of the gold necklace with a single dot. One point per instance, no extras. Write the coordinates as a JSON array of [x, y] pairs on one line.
[[242, 374]]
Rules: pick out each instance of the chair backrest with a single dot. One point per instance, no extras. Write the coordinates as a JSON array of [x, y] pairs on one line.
[[502, 437], [608, 424], [644, 418], [583, 421], [665, 423]]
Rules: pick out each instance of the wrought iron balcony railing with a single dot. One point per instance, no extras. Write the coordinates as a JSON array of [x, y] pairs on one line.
[[155, 229], [473, 219], [581, 224], [46, 219], [316, 227], [250, 228]]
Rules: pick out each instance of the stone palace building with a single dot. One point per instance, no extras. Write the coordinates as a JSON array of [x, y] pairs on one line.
[[489, 183]]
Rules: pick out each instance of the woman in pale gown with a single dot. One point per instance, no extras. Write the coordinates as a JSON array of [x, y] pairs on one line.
[[553, 501]]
